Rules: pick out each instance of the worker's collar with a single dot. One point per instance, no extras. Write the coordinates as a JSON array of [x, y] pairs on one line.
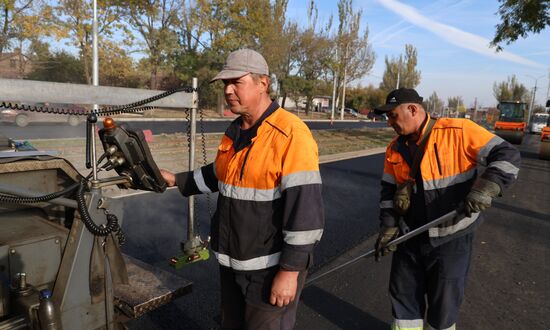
[[234, 129], [417, 137]]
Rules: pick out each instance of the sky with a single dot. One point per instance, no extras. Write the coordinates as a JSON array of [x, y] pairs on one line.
[[452, 40]]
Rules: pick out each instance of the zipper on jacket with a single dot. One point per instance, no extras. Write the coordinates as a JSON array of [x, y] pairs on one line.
[[437, 158], [244, 161]]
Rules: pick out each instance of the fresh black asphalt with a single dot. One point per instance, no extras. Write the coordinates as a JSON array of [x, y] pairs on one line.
[[508, 286]]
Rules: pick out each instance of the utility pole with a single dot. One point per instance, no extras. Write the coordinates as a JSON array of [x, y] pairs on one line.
[[95, 65], [532, 103], [398, 72], [344, 84], [532, 98], [334, 91], [548, 89], [475, 110]]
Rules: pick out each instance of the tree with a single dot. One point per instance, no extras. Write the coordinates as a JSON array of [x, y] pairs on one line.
[[288, 59], [355, 57], [13, 14], [73, 21], [256, 24], [279, 45], [314, 55], [539, 109], [155, 22], [510, 90], [59, 66], [365, 99], [403, 67], [455, 104], [519, 18], [117, 68], [434, 105]]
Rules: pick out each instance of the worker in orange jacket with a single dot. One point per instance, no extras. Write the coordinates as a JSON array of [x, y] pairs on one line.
[[269, 213], [429, 272]]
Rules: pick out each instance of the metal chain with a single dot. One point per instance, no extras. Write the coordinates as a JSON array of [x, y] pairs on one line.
[[107, 111], [188, 135], [204, 159]]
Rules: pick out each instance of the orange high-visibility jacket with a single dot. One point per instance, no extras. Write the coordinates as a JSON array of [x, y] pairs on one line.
[[270, 209], [447, 171]]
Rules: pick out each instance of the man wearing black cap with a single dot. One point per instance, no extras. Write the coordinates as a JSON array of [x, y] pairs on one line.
[[430, 169], [269, 213]]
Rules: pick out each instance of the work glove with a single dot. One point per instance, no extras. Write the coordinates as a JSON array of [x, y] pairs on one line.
[[480, 197], [386, 235], [402, 197]]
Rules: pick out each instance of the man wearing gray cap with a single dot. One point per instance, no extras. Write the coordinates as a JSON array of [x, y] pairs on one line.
[[269, 213]]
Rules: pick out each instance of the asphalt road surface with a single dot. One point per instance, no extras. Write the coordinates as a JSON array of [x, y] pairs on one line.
[[63, 130], [508, 286]]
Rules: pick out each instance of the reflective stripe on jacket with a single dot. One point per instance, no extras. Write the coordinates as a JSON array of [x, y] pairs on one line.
[[270, 209], [448, 169]]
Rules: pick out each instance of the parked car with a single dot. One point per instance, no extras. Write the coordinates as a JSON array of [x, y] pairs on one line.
[[22, 118], [352, 112], [375, 117], [7, 115]]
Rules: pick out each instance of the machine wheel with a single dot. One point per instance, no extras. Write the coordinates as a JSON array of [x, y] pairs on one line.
[[21, 120], [544, 152], [518, 139], [73, 120], [514, 137]]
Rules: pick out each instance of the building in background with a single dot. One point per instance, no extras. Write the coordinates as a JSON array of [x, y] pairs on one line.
[[14, 65]]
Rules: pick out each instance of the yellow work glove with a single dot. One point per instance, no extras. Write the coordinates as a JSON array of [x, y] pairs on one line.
[[386, 235], [480, 197], [402, 197]]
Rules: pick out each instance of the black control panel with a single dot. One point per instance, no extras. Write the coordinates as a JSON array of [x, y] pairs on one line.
[[128, 154]]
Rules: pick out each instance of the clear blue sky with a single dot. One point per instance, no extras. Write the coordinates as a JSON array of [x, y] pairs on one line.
[[451, 37]]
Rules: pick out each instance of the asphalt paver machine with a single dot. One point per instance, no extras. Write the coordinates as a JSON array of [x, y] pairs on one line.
[[60, 261]]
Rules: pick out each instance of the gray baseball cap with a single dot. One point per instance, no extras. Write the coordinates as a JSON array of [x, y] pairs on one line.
[[242, 62]]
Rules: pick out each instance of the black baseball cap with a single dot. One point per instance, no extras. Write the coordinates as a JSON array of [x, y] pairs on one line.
[[397, 97]]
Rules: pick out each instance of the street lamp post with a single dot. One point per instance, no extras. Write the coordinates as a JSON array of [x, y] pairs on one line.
[[532, 98], [398, 72], [334, 90], [95, 82]]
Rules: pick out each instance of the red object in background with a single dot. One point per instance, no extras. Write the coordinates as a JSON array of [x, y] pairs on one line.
[[227, 113], [148, 135]]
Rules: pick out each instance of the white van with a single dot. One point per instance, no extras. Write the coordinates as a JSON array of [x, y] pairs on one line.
[[538, 121]]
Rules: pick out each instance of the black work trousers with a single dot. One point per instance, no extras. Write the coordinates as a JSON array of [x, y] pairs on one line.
[[421, 274], [245, 300]]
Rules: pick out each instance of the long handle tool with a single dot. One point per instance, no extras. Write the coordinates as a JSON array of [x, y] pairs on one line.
[[396, 241]]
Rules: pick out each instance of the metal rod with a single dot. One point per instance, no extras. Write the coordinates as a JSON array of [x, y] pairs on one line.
[[95, 82], [192, 133], [334, 91], [343, 109], [396, 241], [95, 62], [94, 161]]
